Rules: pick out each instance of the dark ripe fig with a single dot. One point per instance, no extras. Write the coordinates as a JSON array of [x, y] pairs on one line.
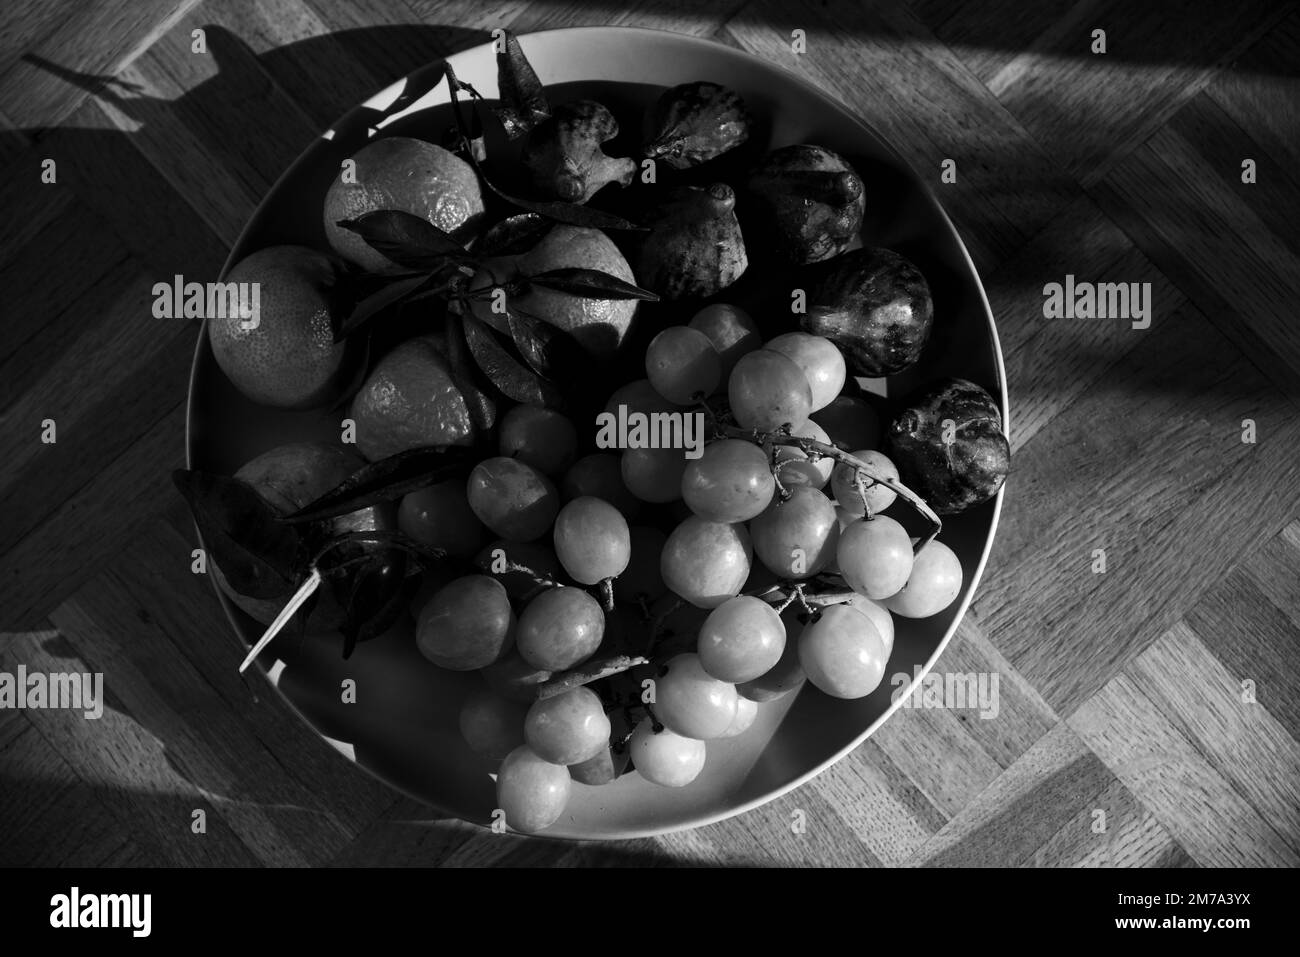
[[875, 305], [694, 247], [694, 122], [949, 446], [565, 157], [811, 199]]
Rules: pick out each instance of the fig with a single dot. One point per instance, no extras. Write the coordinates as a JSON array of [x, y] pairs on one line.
[[694, 122], [811, 200], [694, 246], [875, 305], [565, 157], [949, 446]]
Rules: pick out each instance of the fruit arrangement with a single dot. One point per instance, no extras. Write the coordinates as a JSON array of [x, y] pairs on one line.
[[482, 318]]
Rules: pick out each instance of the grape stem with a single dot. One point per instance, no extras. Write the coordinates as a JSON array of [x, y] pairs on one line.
[[812, 446], [587, 673]]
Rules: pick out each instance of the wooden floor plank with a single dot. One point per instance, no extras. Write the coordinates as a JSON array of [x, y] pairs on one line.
[[1201, 810], [1117, 831]]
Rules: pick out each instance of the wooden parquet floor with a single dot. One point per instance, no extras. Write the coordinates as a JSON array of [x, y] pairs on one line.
[[1150, 713]]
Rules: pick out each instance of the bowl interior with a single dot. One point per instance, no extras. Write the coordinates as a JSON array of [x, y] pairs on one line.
[[402, 725]]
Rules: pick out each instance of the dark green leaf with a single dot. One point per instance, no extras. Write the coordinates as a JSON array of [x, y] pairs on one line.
[[523, 99], [257, 553], [513, 235], [505, 372], [552, 352], [591, 284], [390, 295], [406, 239], [460, 365], [386, 480]]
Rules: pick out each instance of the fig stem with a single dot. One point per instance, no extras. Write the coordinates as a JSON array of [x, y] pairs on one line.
[[839, 455]]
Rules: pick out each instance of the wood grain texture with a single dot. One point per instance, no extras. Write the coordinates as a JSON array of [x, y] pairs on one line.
[[1121, 737]]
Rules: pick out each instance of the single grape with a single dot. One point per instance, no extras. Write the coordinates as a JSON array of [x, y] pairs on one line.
[[666, 759], [654, 475], [879, 497], [767, 391], [602, 768], [843, 653], [787, 674], [796, 538], [642, 579], [491, 724], [731, 482], [819, 359], [692, 702], [682, 365], [560, 628], [932, 586], [875, 556], [746, 712], [797, 467], [439, 515], [881, 618], [731, 331], [542, 437], [513, 499], [601, 476], [591, 540], [741, 639], [706, 562], [531, 791], [850, 422], [514, 678], [567, 728], [467, 624], [639, 396]]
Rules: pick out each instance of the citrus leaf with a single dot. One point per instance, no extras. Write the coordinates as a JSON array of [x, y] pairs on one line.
[[377, 302], [258, 555], [460, 365], [523, 98], [514, 379], [388, 479], [553, 353], [405, 238], [513, 235], [590, 284]]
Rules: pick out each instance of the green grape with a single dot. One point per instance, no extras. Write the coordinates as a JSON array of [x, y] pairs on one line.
[[600, 476], [746, 712], [741, 639], [591, 540], [706, 562], [531, 791], [654, 475], [467, 624], [513, 499], [933, 585], [797, 538], [439, 515], [797, 467], [682, 365], [731, 331], [692, 702], [879, 497], [767, 390], [567, 728], [665, 758], [491, 724], [560, 628], [787, 674], [842, 653], [819, 359], [541, 437], [875, 556], [731, 482]]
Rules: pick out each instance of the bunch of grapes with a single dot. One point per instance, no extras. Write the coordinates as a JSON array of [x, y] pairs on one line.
[[779, 561]]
